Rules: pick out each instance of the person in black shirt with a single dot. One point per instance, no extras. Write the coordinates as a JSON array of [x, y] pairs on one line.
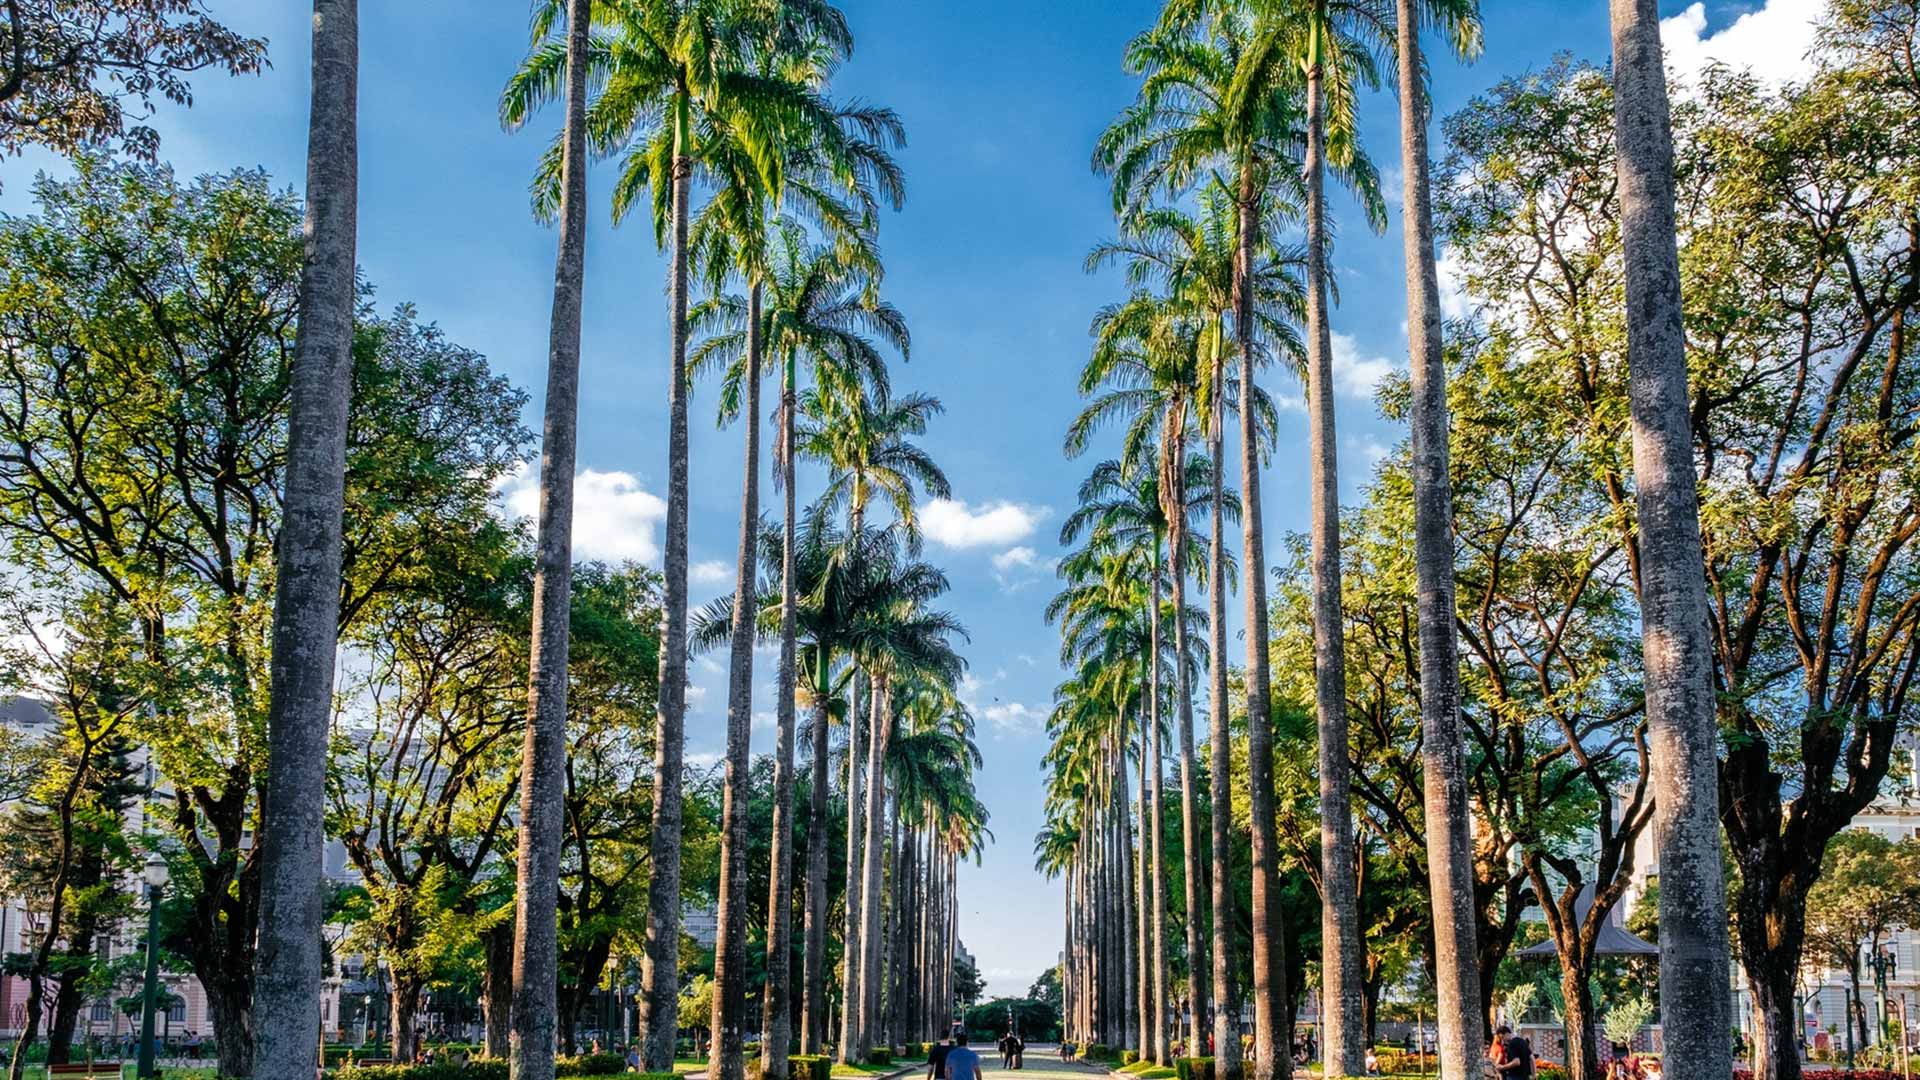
[[937, 1060], [1512, 1055]]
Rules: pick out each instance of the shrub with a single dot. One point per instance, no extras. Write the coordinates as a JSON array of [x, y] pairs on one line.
[[1193, 1068], [1128, 1057], [474, 1070], [880, 1056], [590, 1065], [1097, 1052], [650, 1076], [810, 1067]]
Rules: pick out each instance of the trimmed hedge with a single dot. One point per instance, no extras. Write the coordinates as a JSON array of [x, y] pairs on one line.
[[1097, 1052], [880, 1055], [590, 1065], [1193, 1068], [1128, 1057], [473, 1070], [810, 1067]]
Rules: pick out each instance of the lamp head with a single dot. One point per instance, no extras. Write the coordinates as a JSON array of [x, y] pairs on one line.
[[156, 870]]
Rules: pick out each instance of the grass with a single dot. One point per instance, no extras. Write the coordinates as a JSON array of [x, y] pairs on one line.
[[39, 1072], [873, 1070]]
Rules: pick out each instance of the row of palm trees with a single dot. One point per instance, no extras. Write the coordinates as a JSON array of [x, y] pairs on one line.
[[1219, 172], [728, 97]]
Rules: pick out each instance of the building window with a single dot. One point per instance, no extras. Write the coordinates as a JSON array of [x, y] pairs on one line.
[[102, 1010], [177, 1012]]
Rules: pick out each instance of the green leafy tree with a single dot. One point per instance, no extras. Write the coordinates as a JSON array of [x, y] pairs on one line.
[[149, 463]]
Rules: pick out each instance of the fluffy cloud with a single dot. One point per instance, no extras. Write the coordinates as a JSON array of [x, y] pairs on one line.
[[952, 523], [1021, 556], [613, 516], [1772, 40], [710, 572], [1014, 718], [1355, 375]]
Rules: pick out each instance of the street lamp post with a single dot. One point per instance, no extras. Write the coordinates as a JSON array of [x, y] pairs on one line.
[[156, 876]]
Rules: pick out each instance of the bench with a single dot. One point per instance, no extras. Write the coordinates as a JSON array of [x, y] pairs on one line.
[[104, 1070]]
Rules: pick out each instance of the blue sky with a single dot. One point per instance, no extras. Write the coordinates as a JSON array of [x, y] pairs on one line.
[[1002, 101]]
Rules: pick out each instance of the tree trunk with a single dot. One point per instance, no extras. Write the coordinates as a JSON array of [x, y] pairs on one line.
[[404, 1007], [1189, 796], [306, 600], [1341, 952], [1770, 952], [813, 1001], [1583, 1057], [231, 1014], [873, 837], [776, 1006], [1694, 1009], [1226, 1020], [730, 952], [1444, 784], [544, 753], [850, 952], [1142, 907], [67, 999], [1161, 1002], [497, 991], [660, 974], [1271, 1061]]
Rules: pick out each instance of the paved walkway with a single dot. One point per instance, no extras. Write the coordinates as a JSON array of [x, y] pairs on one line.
[[1041, 1063]]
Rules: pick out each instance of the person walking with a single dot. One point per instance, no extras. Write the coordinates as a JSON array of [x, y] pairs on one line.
[[962, 1063]]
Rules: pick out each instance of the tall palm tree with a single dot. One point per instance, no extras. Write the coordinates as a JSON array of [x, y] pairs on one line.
[[678, 87], [822, 308], [543, 756], [306, 597], [1673, 598], [1214, 109], [863, 437], [1335, 43], [1449, 827], [1146, 370], [1121, 507], [836, 177]]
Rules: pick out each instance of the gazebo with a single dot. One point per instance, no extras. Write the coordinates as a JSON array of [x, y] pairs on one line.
[[1614, 939]]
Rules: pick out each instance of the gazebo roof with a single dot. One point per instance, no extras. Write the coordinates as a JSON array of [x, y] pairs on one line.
[[1614, 940]]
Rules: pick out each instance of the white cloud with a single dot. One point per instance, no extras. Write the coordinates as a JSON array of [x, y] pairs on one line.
[[1772, 41], [710, 572], [696, 695], [1015, 556], [703, 759], [1014, 718], [613, 516], [952, 523], [1355, 375]]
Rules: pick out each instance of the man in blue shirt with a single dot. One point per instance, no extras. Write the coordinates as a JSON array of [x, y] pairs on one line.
[[962, 1063]]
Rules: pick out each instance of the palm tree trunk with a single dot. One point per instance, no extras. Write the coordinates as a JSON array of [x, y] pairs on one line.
[[855, 882], [776, 1009], [872, 840], [1694, 1008], [306, 602], [1342, 975], [1189, 799], [1226, 1018], [813, 1001], [1271, 1059], [730, 949], [1143, 964], [1449, 826], [1160, 1000], [660, 974]]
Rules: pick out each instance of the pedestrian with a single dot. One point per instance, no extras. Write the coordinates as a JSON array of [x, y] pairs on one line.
[[962, 1063], [1006, 1050], [1019, 1052], [1512, 1055], [937, 1059]]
